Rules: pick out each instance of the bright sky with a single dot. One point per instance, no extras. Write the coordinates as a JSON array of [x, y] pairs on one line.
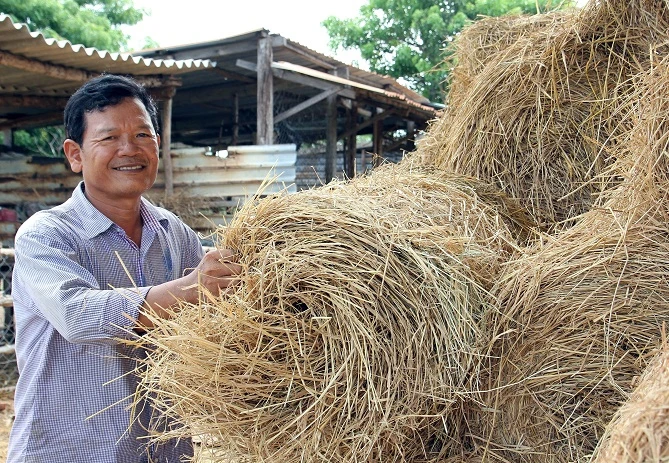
[[173, 22]]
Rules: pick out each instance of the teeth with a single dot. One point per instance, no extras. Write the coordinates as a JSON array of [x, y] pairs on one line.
[[129, 168]]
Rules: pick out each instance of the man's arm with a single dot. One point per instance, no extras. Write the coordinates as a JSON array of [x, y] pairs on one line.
[[57, 286], [216, 272]]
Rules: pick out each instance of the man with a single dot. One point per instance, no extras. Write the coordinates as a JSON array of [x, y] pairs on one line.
[[94, 271]]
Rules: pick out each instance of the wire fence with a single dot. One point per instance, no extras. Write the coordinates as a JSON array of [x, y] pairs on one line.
[[8, 369]]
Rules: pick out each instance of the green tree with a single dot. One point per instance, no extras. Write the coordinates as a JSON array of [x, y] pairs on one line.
[[407, 39], [93, 23]]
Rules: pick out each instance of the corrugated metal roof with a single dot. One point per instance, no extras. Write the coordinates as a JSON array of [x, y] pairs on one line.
[[31, 63], [286, 50], [216, 95], [211, 107]]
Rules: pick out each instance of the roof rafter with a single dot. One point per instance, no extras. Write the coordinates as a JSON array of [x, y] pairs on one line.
[[69, 73]]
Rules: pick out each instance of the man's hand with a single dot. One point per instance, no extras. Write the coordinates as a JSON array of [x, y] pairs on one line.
[[217, 273]]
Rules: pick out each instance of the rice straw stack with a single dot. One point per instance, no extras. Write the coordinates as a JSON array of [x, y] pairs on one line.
[[356, 329], [481, 41], [534, 118], [639, 433], [579, 317]]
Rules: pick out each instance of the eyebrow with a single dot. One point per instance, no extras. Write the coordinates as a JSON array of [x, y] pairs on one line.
[[106, 130]]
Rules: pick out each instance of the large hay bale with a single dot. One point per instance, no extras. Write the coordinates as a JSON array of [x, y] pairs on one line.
[[534, 118], [356, 328], [580, 316], [639, 433], [482, 40]]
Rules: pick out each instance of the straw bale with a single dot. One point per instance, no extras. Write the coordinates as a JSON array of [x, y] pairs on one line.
[[579, 316], [639, 433], [356, 329], [477, 44], [535, 117]]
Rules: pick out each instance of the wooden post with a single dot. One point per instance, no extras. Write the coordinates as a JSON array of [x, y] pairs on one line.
[[411, 135], [166, 141], [235, 123], [331, 139], [331, 131], [8, 138], [378, 142], [265, 95], [351, 147]]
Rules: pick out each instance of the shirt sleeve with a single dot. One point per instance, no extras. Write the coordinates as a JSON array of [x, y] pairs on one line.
[[67, 294], [187, 247]]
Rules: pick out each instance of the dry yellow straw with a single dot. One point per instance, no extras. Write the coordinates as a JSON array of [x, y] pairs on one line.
[[533, 118], [356, 329], [579, 318], [639, 433], [479, 43]]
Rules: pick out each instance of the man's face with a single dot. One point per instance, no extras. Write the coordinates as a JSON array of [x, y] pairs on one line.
[[119, 153]]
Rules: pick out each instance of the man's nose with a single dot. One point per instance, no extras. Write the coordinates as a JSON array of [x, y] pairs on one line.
[[128, 146]]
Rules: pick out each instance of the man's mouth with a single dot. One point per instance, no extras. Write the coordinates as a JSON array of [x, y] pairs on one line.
[[129, 168]]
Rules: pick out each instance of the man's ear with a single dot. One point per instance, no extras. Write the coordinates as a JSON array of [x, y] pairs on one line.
[[73, 154]]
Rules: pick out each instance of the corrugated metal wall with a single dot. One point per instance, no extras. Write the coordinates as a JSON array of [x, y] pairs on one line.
[[208, 187]]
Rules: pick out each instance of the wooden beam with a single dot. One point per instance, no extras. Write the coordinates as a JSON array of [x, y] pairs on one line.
[[38, 120], [411, 135], [351, 141], [331, 139], [304, 105], [240, 48], [40, 67], [399, 142], [30, 101], [300, 79], [65, 72], [378, 142], [318, 61], [8, 138], [166, 141], [235, 120], [368, 122], [409, 108], [247, 44], [361, 112], [233, 75], [265, 107]]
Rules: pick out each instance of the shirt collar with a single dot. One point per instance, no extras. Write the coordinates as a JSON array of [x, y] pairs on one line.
[[95, 222]]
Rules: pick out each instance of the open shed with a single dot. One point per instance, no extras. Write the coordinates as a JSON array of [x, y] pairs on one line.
[[234, 112], [266, 89]]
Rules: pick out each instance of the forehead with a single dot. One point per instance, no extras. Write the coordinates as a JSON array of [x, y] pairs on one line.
[[127, 112]]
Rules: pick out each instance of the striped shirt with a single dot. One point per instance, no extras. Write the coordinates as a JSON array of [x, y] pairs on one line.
[[77, 285]]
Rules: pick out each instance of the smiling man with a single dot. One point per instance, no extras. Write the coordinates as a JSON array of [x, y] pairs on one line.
[[93, 272]]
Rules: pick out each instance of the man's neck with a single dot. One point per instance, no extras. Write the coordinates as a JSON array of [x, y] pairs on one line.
[[125, 214]]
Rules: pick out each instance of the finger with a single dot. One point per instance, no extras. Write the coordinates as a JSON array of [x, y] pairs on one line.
[[229, 268], [212, 282]]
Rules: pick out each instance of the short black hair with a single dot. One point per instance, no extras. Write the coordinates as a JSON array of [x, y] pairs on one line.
[[100, 93]]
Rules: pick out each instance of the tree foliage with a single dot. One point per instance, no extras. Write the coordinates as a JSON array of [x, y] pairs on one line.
[[93, 23], [408, 39]]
